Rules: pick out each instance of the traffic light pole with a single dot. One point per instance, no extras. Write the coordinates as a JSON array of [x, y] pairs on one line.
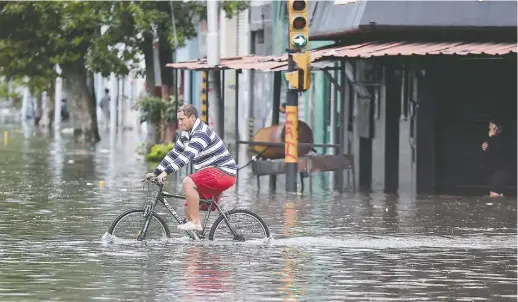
[[291, 131], [298, 77]]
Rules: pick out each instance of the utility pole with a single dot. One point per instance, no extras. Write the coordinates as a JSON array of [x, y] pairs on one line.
[[298, 76], [213, 58], [212, 33]]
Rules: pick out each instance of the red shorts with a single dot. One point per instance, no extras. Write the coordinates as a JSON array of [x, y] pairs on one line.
[[211, 182]]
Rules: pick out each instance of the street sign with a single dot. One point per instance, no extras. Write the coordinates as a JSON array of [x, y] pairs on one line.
[[300, 41]]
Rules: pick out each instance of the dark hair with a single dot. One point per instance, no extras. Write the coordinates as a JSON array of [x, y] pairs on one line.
[[188, 110], [496, 121], [106, 90]]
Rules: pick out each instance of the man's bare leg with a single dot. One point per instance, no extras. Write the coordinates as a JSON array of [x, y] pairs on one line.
[[187, 214], [193, 200]]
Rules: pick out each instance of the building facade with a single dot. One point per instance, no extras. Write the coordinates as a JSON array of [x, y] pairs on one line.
[[418, 85], [426, 115]]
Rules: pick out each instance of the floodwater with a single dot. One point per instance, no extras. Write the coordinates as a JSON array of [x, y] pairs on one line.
[[325, 247]]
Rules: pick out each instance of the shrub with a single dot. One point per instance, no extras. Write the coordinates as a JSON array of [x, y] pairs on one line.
[[170, 109], [151, 109], [158, 152], [154, 109]]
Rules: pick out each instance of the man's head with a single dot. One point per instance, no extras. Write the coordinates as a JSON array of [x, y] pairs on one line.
[[495, 126], [106, 90], [187, 116]]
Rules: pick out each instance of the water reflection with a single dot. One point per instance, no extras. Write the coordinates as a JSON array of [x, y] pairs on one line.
[[203, 274], [327, 246]]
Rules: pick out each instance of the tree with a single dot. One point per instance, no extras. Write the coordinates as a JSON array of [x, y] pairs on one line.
[[142, 21], [16, 43], [146, 20], [38, 35]]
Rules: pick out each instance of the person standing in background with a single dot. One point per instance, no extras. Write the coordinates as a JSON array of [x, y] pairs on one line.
[[282, 116], [105, 107], [496, 161]]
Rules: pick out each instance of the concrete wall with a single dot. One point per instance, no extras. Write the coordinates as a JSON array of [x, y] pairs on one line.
[[425, 129], [380, 136], [196, 48], [261, 34], [394, 141], [243, 48], [229, 48], [191, 51]]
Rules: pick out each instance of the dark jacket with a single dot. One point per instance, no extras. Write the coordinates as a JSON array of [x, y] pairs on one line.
[[496, 156]]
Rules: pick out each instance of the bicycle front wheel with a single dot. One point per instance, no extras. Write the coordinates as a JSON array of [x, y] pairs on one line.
[[128, 225], [246, 224]]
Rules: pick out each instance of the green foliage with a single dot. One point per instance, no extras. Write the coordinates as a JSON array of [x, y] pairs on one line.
[[37, 84], [150, 15], [231, 7], [151, 109], [154, 109], [41, 34], [158, 152], [171, 109], [4, 90], [15, 96], [37, 35]]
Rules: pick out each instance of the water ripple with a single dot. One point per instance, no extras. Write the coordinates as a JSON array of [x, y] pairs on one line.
[[325, 247]]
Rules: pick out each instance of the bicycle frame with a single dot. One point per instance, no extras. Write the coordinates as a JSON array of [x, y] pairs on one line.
[[150, 208]]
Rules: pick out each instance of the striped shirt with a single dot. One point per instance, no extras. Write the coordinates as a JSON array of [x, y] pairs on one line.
[[203, 147]]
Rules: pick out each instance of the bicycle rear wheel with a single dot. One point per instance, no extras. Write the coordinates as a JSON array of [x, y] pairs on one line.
[[247, 224], [128, 225]]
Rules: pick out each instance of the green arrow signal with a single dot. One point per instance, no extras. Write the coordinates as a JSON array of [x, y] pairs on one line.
[[299, 41]]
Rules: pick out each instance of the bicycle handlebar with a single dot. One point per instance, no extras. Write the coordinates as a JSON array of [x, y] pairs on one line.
[[153, 180]]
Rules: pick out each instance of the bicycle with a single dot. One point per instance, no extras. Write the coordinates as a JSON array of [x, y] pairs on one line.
[[156, 194]]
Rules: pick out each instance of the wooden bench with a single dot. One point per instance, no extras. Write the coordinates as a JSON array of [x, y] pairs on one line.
[[306, 166]]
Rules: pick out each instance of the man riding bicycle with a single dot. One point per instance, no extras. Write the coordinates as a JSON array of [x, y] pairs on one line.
[[216, 169]]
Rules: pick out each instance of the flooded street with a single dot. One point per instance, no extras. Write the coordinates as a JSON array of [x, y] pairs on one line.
[[325, 247]]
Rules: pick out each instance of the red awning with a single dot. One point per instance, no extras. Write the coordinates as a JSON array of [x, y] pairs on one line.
[[378, 49], [249, 62], [361, 50]]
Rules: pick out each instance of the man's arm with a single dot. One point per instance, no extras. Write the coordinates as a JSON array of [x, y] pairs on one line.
[[198, 142], [170, 157]]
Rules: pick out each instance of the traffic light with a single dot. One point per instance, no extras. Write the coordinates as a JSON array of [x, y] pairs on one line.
[[298, 24], [300, 78]]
